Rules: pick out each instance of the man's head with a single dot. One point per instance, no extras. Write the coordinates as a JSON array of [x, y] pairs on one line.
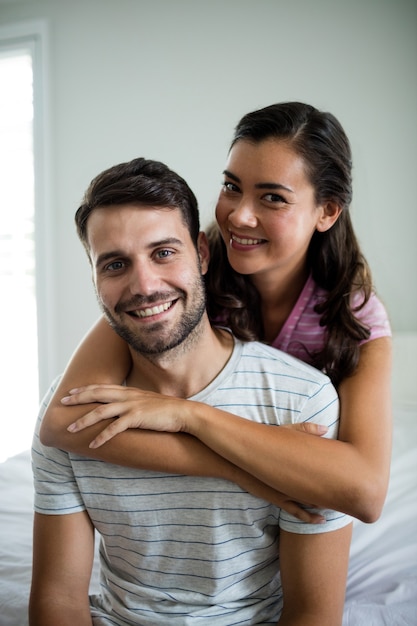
[[139, 224], [141, 181]]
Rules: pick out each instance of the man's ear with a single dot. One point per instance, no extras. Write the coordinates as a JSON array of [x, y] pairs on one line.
[[330, 212], [203, 252]]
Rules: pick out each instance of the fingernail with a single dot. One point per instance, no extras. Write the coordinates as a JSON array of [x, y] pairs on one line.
[[72, 428]]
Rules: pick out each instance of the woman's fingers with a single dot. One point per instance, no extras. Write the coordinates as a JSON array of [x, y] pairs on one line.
[[100, 413], [308, 427], [108, 433], [96, 393]]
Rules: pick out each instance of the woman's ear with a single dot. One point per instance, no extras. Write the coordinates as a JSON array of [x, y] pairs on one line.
[[330, 212], [203, 252]]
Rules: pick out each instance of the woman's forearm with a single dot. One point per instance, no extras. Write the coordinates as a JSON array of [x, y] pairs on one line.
[[350, 474], [324, 472], [327, 473], [176, 453]]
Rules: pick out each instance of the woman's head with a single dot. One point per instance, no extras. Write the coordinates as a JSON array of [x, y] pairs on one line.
[[286, 191], [271, 146], [314, 135], [263, 228]]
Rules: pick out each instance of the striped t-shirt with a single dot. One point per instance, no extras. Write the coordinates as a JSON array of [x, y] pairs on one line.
[[302, 334], [185, 550]]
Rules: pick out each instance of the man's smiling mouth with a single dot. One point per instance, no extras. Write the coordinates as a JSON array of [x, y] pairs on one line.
[[154, 310]]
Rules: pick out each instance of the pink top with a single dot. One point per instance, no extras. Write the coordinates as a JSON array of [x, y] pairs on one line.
[[302, 333]]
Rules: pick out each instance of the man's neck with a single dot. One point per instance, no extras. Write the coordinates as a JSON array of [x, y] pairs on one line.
[[187, 369]]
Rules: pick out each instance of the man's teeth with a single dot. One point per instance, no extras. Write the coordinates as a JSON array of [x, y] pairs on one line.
[[246, 242], [153, 310]]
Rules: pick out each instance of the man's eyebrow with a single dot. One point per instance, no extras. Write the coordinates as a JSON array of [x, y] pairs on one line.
[[168, 241], [259, 185], [114, 254], [106, 256]]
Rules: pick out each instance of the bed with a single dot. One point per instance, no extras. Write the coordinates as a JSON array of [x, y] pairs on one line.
[[382, 582]]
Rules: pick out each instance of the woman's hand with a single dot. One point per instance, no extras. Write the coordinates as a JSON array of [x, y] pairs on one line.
[[133, 407], [259, 489]]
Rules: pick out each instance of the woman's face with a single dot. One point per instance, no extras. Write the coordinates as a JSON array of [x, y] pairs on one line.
[[266, 208]]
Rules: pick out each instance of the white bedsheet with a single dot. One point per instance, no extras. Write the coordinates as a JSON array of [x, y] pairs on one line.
[[382, 583], [15, 539]]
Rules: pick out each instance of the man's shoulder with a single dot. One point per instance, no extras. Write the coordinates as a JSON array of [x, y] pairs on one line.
[[48, 395], [264, 353]]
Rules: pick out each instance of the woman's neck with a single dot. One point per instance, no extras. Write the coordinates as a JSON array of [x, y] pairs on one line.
[[279, 293]]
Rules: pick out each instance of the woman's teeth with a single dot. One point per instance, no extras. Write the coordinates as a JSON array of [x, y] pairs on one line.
[[245, 241]]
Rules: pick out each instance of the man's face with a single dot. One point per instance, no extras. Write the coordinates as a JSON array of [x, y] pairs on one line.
[[147, 275]]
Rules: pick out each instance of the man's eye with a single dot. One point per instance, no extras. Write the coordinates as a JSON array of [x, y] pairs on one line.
[[115, 266], [164, 254]]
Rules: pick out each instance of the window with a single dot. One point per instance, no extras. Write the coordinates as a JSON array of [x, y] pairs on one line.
[[19, 371]]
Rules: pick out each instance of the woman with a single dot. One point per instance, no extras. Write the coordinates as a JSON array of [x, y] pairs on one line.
[[286, 270]]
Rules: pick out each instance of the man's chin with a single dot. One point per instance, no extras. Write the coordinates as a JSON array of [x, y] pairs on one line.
[[151, 342]]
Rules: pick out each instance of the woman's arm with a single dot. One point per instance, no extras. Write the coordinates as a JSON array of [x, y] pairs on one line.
[[103, 356], [350, 474]]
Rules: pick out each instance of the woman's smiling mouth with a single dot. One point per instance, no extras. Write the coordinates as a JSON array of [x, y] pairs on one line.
[[245, 241]]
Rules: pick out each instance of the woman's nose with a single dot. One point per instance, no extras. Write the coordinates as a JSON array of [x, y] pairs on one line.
[[243, 215]]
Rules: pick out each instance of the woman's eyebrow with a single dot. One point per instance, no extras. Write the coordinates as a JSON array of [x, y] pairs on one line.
[[273, 186], [259, 185], [232, 176]]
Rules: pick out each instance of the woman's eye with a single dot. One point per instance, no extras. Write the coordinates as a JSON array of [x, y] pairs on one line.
[[228, 186], [274, 197]]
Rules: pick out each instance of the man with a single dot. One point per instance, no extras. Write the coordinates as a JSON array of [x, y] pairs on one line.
[[177, 549]]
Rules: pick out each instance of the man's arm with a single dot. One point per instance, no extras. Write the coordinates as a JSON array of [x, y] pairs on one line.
[[313, 574], [63, 553]]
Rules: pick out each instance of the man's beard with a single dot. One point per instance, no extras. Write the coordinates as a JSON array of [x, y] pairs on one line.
[[150, 341]]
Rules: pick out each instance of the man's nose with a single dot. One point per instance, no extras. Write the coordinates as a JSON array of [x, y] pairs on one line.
[[143, 279]]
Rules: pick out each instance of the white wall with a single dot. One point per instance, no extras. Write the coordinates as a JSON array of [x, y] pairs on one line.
[[169, 79]]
